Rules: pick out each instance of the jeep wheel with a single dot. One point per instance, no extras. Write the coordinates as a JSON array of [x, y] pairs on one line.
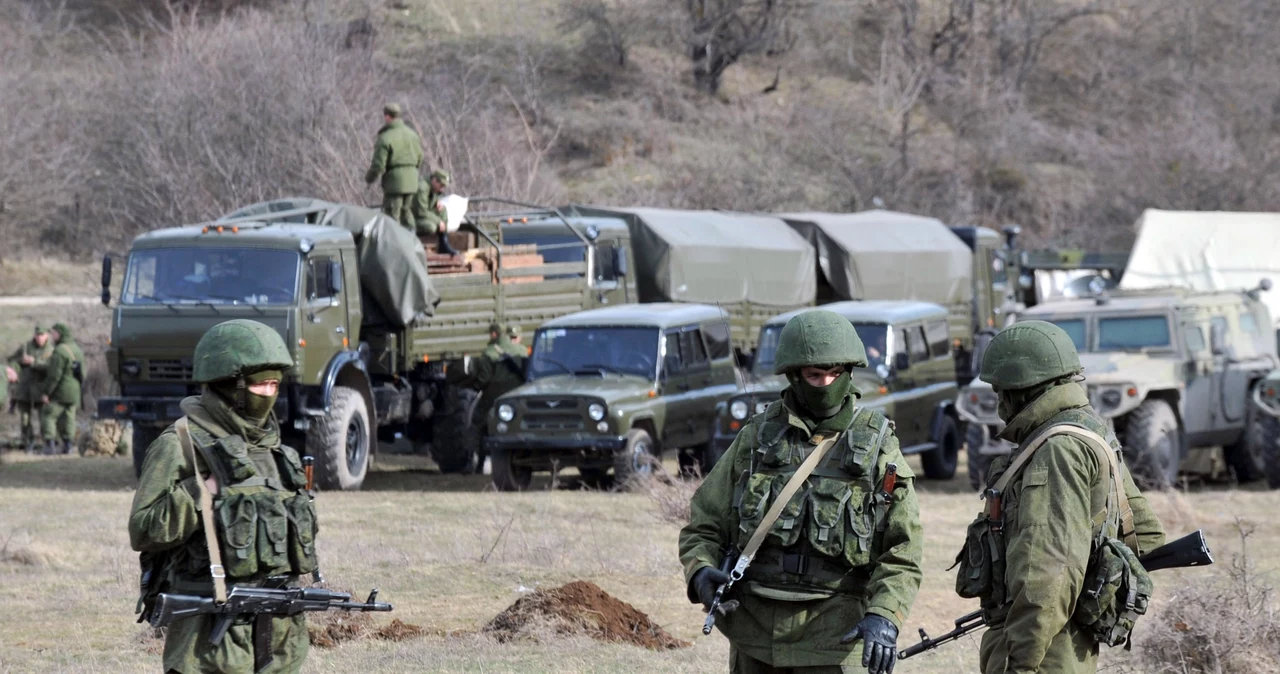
[[635, 460], [975, 437], [594, 478], [506, 475], [940, 463], [1271, 449], [709, 456], [1246, 455], [691, 462], [456, 441], [143, 436], [1152, 441], [340, 441]]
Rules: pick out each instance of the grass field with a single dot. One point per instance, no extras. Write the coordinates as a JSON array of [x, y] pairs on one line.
[[450, 554]]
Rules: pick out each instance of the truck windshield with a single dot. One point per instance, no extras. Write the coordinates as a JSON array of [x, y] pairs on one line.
[[202, 275], [873, 336], [602, 351], [1075, 329], [1133, 332]]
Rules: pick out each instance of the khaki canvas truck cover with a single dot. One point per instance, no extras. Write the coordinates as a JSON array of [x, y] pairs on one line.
[[715, 257], [883, 255], [1206, 251], [393, 265]]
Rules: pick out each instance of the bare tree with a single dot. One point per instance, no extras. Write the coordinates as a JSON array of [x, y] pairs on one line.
[[606, 24], [720, 32]]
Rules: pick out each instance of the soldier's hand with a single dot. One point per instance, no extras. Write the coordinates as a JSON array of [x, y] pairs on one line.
[[10, 374], [879, 643], [27, 360], [211, 485], [705, 583], [44, 400]]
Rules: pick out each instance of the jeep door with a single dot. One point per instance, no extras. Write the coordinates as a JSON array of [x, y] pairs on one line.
[[678, 369], [717, 384], [911, 416]]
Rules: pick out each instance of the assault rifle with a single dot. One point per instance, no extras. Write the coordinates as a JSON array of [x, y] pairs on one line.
[[256, 601], [1190, 550], [728, 565]]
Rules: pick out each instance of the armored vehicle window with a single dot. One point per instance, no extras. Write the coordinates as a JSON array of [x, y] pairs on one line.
[[1133, 332], [717, 336], [874, 337], [1248, 325], [595, 351], [1194, 337], [207, 275], [916, 344], [768, 348], [692, 354], [939, 338], [1075, 329], [318, 280]]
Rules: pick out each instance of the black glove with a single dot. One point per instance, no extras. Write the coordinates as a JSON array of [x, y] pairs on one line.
[[705, 583], [879, 643]]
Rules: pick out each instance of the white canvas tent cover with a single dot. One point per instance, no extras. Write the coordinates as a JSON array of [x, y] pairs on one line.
[[717, 257], [1206, 250], [885, 255]]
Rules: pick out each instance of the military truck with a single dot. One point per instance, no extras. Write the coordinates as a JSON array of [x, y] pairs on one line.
[[1175, 371], [911, 378], [614, 387], [371, 331]]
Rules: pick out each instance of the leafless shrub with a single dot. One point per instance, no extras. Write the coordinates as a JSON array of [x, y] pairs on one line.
[[670, 496], [604, 26], [720, 32]]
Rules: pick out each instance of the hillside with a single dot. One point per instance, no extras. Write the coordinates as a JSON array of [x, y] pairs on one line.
[[1066, 116]]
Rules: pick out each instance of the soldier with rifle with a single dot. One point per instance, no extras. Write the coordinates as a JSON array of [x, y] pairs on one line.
[[804, 544], [222, 502]]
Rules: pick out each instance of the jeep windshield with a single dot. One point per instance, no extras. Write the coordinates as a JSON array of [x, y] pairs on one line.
[[873, 336], [211, 276], [595, 351]]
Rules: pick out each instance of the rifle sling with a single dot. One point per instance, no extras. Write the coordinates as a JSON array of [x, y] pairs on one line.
[[216, 570], [789, 490]]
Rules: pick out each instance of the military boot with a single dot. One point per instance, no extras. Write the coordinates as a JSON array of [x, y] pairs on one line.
[[50, 447], [443, 246], [68, 446]]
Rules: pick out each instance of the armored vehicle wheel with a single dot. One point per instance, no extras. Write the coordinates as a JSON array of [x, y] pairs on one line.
[[1152, 441], [1271, 449], [506, 475], [340, 441], [940, 464], [636, 459], [975, 436], [456, 445], [143, 436], [1246, 456]]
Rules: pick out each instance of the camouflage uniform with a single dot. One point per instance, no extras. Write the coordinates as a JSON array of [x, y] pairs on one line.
[[425, 213], [840, 554], [1052, 508], [62, 391], [29, 388], [236, 435], [397, 154], [498, 370]]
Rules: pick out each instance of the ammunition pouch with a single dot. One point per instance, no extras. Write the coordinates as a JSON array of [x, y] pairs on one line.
[[1117, 591], [980, 568]]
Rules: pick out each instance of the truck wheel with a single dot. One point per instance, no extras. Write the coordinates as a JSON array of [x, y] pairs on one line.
[[340, 441], [143, 436], [975, 436], [1151, 445], [508, 476], [1271, 449], [940, 464], [636, 459], [1246, 455], [456, 444]]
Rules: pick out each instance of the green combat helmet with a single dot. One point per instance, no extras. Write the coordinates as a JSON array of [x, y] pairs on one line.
[[818, 337], [1029, 353], [235, 348]]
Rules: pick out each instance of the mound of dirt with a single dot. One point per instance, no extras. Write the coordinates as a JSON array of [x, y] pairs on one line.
[[330, 628], [581, 607]]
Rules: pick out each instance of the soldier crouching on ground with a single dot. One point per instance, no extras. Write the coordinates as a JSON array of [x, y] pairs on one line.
[[841, 564], [265, 520]]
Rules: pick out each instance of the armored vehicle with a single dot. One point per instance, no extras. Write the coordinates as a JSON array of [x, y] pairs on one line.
[[911, 378], [1174, 370], [370, 329], [613, 388]]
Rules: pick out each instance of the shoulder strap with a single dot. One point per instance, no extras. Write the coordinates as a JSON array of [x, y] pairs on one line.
[[788, 491], [216, 569]]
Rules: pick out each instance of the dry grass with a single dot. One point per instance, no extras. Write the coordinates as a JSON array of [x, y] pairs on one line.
[[418, 536]]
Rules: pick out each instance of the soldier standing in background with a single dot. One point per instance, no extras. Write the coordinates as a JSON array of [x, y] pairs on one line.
[[397, 154], [430, 215], [841, 562], [25, 369], [61, 393]]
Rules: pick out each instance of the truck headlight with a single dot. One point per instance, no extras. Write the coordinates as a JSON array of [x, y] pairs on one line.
[[506, 412], [761, 407], [595, 411], [738, 409]]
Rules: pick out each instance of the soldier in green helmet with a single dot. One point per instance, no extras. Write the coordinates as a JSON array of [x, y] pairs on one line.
[[397, 154], [1052, 508], [25, 370], [61, 394], [840, 567], [429, 214], [257, 485]]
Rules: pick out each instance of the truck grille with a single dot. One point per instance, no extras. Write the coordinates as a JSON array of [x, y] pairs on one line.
[[553, 422], [552, 404], [169, 370]]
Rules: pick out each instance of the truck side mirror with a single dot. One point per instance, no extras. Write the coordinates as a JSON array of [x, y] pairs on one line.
[[1218, 339], [335, 278], [620, 260], [106, 280], [901, 362]]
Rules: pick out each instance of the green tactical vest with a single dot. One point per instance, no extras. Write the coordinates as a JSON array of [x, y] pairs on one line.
[[828, 535], [266, 524]]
